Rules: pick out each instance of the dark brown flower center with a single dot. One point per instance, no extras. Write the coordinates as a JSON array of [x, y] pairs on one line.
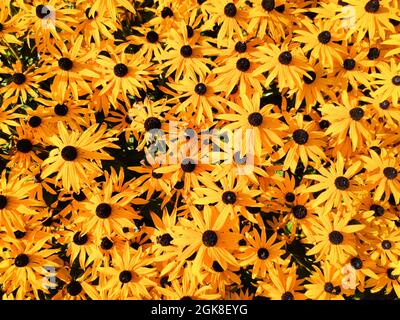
[[287, 296], [342, 183], [125, 276], [42, 11], [152, 36], [167, 12], [255, 119], [349, 64], [3, 201], [186, 51], [262, 253], [21, 260], [390, 173], [229, 197], [74, 288], [384, 105], [290, 197], [240, 47], [324, 37], [372, 6], [356, 113], [65, 64], [69, 153], [61, 110], [335, 237], [377, 209], [24, 145], [165, 239], [79, 239], [299, 211], [268, 5], [200, 89], [324, 124], [120, 70], [34, 121], [396, 80], [243, 64], [152, 123], [210, 238], [313, 76], [373, 53], [103, 210], [285, 58], [18, 78], [356, 263], [328, 287], [300, 136], [230, 10], [106, 244], [386, 244], [19, 234], [188, 165]]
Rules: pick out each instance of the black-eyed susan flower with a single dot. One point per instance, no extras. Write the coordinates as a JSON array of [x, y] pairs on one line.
[[77, 155], [306, 143], [21, 83], [123, 74], [229, 197], [383, 169], [325, 283], [230, 15], [371, 16], [347, 121], [336, 184], [320, 38], [388, 81], [129, 275], [9, 28], [104, 212], [384, 245], [25, 264], [188, 289], [96, 25], [15, 201], [261, 252], [81, 247], [209, 236], [333, 237], [258, 124], [46, 20], [68, 65], [266, 17], [387, 280], [284, 284], [287, 64], [183, 55]]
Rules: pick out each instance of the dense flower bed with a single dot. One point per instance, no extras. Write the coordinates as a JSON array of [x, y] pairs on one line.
[[209, 149]]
